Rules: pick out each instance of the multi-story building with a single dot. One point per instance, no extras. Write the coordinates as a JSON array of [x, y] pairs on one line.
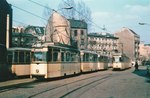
[[78, 33], [23, 39], [36, 31], [102, 43], [144, 51], [129, 41], [20, 38], [66, 31], [5, 23], [58, 29]]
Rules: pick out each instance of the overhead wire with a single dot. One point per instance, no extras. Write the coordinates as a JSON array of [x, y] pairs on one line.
[[29, 12], [19, 22], [84, 16], [55, 10], [41, 5], [72, 8]]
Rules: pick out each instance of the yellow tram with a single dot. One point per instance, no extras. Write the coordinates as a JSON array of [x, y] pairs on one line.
[[54, 60], [19, 59], [89, 61], [120, 61]]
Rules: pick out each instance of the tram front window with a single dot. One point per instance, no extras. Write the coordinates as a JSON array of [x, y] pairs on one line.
[[116, 59], [39, 56]]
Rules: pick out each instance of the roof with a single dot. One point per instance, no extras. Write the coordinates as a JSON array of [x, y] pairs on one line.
[[107, 35], [133, 32], [22, 34], [78, 24], [125, 28], [38, 29]]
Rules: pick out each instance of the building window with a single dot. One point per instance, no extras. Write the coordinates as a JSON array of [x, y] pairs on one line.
[[82, 32], [16, 39], [82, 41], [75, 33]]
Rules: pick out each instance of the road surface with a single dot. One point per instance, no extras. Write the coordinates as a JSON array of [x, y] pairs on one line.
[[102, 84]]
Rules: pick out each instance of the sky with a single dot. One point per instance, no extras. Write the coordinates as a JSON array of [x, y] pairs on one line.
[[114, 14]]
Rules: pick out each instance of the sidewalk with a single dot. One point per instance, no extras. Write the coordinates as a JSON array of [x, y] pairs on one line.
[[11, 83]]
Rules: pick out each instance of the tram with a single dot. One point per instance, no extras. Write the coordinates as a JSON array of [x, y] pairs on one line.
[[19, 59], [102, 62], [120, 61], [54, 60], [89, 61]]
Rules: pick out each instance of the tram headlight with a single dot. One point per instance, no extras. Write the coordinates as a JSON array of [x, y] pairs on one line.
[[37, 71]]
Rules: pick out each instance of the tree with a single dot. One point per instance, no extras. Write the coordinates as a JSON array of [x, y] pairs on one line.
[[47, 12], [79, 11], [84, 13]]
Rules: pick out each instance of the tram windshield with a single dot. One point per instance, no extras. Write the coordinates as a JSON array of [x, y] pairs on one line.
[[39, 56], [117, 59]]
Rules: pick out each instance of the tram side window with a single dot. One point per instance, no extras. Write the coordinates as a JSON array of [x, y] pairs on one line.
[[95, 58], [16, 57], [107, 59], [67, 56], [62, 56], [21, 57], [49, 55], [28, 57], [87, 57], [55, 56], [84, 57], [73, 57], [113, 59], [120, 59], [90, 57], [9, 57]]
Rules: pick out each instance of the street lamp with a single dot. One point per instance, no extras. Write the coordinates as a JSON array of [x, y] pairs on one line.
[[68, 8], [141, 23]]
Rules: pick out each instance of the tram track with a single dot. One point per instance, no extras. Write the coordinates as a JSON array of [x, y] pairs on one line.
[[71, 85], [36, 82], [79, 84], [86, 85]]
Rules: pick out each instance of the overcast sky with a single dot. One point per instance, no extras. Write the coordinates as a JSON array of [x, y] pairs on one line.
[[114, 14]]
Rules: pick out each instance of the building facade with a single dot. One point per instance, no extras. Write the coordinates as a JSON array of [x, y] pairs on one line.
[[78, 33], [102, 43], [36, 31], [23, 39], [5, 23], [144, 50], [58, 29], [20, 38], [129, 42]]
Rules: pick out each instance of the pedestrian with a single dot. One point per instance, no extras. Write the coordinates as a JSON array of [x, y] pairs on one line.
[[136, 66]]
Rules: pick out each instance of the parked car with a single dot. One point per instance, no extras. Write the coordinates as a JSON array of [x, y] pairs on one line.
[[147, 64]]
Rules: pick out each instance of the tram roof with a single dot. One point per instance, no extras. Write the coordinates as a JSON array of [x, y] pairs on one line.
[[88, 51], [19, 48], [56, 45]]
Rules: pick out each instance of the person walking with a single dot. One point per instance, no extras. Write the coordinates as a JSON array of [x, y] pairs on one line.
[[136, 66]]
